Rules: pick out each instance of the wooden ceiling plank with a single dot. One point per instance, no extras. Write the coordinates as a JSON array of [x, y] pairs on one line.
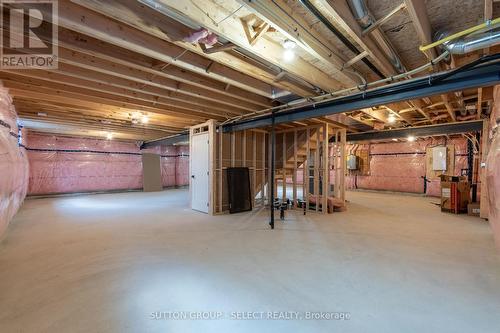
[[297, 29], [479, 108], [88, 22], [187, 81], [104, 97], [449, 108], [418, 15], [122, 90], [141, 17], [78, 99], [74, 127], [90, 123], [150, 81], [232, 30], [121, 118], [488, 15], [339, 14]]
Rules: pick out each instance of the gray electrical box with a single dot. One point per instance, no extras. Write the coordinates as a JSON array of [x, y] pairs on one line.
[[352, 162]]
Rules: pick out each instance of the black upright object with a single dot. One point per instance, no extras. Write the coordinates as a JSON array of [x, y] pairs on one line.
[[240, 196], [470, 160], [271, 181]]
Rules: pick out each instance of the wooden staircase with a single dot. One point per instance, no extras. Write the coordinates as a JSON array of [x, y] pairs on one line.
[[309, 154]]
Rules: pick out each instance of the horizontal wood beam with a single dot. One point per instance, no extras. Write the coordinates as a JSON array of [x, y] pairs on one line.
[[170, 76], [115, 118], [281, 16], [89, 122], [206, 12], [36, 85], [54, 126], [51, 79], [91, 82], [31, 92], [145, 19], [339, 14], [101, 27]]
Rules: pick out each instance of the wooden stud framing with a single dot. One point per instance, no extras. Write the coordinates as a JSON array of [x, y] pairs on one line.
[[306, 168], [254, 165], [294, 175], [233, 149], [316, 169], [343, 137], [283, 184], [325, 168], [479, 103], [262, 187], [220, 169], [244, 149], [484, 204]]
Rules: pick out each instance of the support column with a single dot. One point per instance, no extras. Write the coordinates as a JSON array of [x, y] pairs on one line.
[[325, 169], [271, 181], [294, 176]]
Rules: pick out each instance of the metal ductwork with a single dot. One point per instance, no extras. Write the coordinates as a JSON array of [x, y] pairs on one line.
[[362, 15], [473, 43], [309, 6]]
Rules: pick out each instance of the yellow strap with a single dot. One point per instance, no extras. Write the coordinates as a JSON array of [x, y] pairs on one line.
[[460, 34]]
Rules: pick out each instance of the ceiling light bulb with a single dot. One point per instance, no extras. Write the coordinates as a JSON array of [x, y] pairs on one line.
[[411, 138], [109, 136], [288, 55], [391, 119], [145, 119], [289, 44]]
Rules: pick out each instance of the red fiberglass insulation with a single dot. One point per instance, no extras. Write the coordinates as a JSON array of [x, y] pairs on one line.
[[400, 166], [13, 163], [60, 164]]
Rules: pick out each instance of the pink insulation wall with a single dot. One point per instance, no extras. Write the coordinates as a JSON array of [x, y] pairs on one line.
[[13, 163], [493, 168], [399, 166], [61, 164]]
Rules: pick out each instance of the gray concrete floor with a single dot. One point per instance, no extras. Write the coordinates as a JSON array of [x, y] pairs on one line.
[[105, 263]]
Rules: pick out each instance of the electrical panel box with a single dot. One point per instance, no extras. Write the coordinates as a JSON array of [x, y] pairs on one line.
[[352, 162], [439, 156]]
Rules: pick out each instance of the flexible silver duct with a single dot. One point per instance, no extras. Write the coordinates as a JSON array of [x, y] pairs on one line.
[[473, 43], [362, 15]]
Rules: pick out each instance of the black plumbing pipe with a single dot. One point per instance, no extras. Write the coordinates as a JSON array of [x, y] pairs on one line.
[[336, 32]]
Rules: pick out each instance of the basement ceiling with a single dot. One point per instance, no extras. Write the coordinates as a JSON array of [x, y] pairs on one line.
[[143, 67]]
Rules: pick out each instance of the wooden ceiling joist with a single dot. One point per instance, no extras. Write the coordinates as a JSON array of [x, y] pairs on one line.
[[43, 86], [91, 122], [77, 128], [279, 14], [448, 106], [166, 122], [93, 24], [141, 17], [169, 76], [339, 14], [206, 12], [46, 94], [108, 84], [418, 15]]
